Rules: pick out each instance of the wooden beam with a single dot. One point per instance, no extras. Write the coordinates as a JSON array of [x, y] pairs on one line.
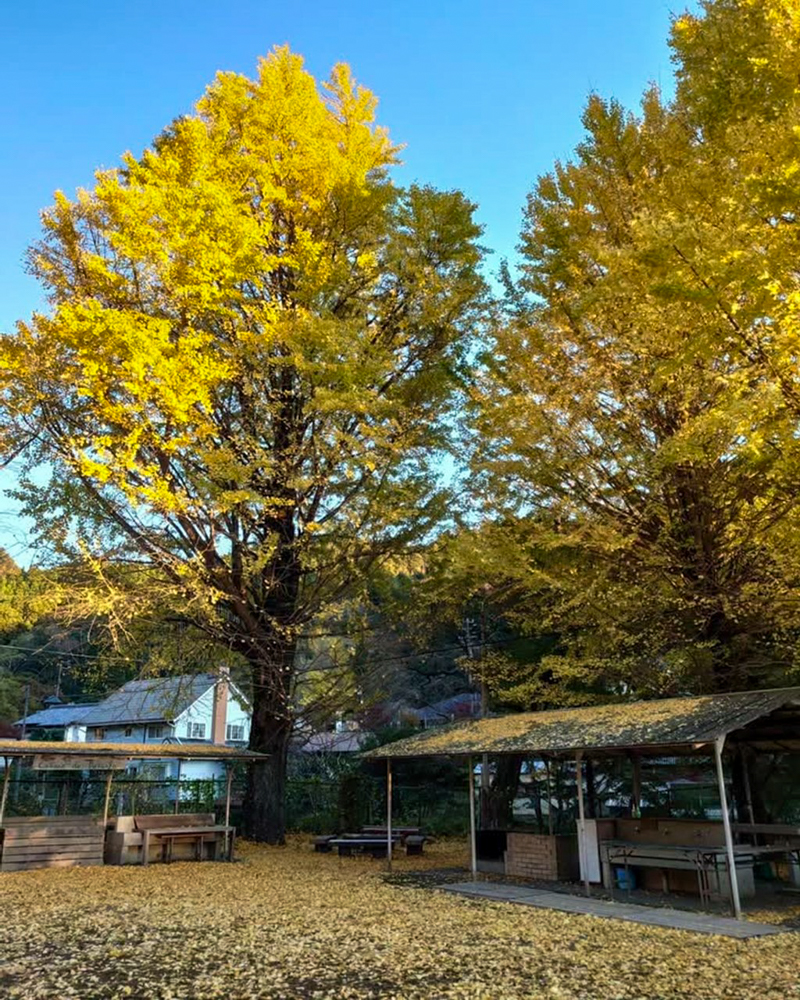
[[108, 797], [4, 796]]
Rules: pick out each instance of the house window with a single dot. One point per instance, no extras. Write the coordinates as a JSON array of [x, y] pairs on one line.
[[235, 733], [196, 730], [128, 731], [155, 732], [99, 734]]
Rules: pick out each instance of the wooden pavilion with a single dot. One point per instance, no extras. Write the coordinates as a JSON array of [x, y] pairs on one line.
[[719, 726], [64, 841]]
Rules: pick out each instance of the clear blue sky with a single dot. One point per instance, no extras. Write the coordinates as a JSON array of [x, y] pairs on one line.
[[485, 95]]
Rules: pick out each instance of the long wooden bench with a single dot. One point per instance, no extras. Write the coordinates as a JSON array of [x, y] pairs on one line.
[[166, 837], [50, 842], [195, 829]]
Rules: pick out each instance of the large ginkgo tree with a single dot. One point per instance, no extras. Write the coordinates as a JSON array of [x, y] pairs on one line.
[[241, 389]]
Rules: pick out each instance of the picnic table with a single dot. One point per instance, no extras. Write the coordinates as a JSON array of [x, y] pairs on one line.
[[374, 843], [704, 859], [194, 827]]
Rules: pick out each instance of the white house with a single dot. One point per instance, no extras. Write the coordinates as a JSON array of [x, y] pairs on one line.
[[192, 709]]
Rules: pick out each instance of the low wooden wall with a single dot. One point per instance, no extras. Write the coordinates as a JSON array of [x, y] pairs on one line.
[[50, 842]]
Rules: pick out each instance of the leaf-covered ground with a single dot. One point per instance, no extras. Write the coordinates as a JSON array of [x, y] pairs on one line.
[[293, 924]]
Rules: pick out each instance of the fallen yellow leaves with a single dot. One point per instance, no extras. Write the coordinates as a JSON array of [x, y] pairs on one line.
[[288, 923]]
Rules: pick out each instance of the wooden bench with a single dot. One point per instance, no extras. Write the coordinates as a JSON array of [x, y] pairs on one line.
[[50, 842], [197, 829], [708, 862]]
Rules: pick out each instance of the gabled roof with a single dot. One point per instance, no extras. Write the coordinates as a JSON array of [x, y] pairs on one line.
[[675, 724], [57, 715], [152, 699]]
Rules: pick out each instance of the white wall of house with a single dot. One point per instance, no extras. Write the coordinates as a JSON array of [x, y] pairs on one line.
[[195, 722], [74, 733], [130, 732]]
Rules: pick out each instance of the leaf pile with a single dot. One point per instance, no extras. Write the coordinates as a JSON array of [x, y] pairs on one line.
[[288, 923]]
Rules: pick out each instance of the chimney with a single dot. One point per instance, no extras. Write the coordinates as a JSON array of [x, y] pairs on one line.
[[219, 712]]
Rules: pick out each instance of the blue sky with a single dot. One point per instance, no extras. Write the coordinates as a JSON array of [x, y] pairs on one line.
[[485, 95]]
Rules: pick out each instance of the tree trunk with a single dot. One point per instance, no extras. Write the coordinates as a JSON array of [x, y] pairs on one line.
[[270, 733], [591, 790], [498, 801], [265, 799]]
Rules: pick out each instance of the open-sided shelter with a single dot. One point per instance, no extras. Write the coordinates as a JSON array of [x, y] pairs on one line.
[[718, 725], [70, 840]]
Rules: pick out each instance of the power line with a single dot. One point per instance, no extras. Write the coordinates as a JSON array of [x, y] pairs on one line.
[[397, 658]]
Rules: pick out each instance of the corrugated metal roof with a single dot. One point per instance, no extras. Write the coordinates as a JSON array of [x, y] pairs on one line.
[[58, 715], [669, 722], [152, 699]]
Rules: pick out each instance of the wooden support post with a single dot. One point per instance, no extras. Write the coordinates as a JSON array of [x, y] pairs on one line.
[[228, 783], [582, 824], [108, 797], [389, 813], [473, 841], [549, 798], [178, 788], [726, 823], [4, 797]]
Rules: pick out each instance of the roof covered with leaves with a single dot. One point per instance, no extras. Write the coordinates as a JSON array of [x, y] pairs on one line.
[[670, 723], [206, 751]]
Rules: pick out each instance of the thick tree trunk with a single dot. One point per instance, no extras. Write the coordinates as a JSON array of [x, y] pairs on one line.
[[265, 800], [270, 733], [498, 801]]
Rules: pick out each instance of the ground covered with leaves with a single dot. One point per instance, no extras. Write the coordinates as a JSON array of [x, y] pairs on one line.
[[288, 923]]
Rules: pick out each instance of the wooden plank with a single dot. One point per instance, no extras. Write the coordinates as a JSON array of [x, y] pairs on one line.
[[45, 841], [49, 820], [28, 865], [69, 762], [54, 856], [170, 820], [46, 834], [76, 849], [41, 835]]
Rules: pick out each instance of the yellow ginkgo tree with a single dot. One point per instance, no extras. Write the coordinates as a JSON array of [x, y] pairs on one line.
[[637, 421], [242, 387]]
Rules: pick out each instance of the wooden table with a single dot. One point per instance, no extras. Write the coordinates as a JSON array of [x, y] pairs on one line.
[[376, 846], [197, 833]]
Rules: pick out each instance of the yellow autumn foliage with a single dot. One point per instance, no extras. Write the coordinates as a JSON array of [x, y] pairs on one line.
[[293, 925]]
